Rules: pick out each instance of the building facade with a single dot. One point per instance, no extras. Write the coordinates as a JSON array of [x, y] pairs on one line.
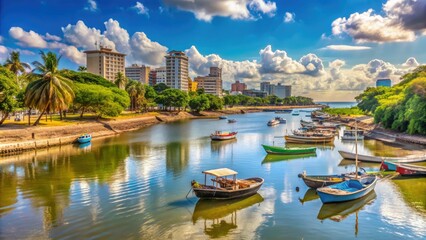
[[212, 83], [192, 85], [138, 73], [238, 87], [383, 83], [265, 87], [177, 70], [255, 93], [105, 62], [280, 91], [157, 75]]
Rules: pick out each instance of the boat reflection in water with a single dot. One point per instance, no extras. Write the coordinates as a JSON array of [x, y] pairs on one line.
[[321, 146], [310, 195], [218, 146], [277, 158], [85, 146], [339, 211], [220, 217]]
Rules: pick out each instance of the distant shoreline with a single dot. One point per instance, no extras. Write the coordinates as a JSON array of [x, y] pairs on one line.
[[17, 139]]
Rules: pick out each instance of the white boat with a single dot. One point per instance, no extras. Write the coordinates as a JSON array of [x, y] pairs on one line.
[[219, 135], [273, 122], [295, 113], [281, 120], [352, 135]]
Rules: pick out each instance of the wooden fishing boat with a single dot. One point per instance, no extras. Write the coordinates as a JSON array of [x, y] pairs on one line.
[[223, 188], [317, 181], [288, 151], [84, 138], [339, 211], [388, 166], [273, 122], [350, 135], [280, 119], [410, 170], [222, 117], [232, 121], [219, 135], [309, 138], [375, 159], [347, 190], [269, 158]]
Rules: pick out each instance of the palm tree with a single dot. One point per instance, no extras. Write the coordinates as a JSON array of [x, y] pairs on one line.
[[52, 91], [82, 69], [132, 91], [14, 64], [120, 80]]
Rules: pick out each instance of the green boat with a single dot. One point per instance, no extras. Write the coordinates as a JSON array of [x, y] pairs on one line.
[[288, 151]]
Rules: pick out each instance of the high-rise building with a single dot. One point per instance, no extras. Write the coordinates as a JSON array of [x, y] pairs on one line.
[[265, 87], [177, 70], [383, 83], [192, 85], [238, 87], [211, 83], [281, 91], [105, 62], [138, 73], [157, 75]]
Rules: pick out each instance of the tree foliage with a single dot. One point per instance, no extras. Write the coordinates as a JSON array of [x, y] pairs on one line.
[[8, 90]]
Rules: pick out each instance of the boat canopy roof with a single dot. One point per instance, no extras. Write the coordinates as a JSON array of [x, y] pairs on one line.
[[221, 172]]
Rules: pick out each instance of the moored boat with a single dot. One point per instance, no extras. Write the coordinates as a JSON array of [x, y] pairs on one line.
[[347, 190], [350, 135], [317, 181], [410, 170], [232, 121], [376, 159], [223, 188], [222, 117], [281, 120], [273, 122], [309, 138], [388, 166], [295, 113], [288, 151], [84, 138], [219, 135]]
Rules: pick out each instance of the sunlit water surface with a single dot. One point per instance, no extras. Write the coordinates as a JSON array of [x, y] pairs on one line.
[[134, 186]]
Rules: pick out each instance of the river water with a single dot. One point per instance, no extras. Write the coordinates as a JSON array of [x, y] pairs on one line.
[[134, 185]]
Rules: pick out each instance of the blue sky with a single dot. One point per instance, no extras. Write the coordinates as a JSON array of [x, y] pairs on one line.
[[305, 51]]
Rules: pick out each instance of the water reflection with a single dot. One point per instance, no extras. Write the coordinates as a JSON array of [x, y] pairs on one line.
[[269, 158], [223, 147], [310, 195], [220, 217], [321, 146], [177, 156], [339, 211]]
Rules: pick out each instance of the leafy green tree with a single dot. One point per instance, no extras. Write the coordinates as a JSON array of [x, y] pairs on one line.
[[199, 103], [8, 91], [136, 91], [52, 91], [216, 103], [120, 80], [200, 91], [173, 98], [160, 87]]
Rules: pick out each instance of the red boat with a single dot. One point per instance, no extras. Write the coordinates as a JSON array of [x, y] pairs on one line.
[[219, 135], [410, 170]]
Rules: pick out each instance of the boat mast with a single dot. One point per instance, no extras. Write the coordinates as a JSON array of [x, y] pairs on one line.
[[356, 150]]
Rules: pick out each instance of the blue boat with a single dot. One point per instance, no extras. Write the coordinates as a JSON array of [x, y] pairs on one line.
[[85, 138], [347, 190]]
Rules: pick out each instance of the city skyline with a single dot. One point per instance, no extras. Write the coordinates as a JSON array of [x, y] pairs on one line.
[[327, 51]]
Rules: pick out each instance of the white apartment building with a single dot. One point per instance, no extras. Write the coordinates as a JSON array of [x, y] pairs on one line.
[[177, 70], [105, 62]]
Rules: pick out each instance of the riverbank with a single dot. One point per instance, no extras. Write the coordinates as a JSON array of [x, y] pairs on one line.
[[19, 138]]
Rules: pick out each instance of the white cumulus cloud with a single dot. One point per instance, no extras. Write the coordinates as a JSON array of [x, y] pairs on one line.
[[234, 9], [411, 63], [27, 39], [289, 17], [402, 21], [91, 6], [141, 9], [345, 48]]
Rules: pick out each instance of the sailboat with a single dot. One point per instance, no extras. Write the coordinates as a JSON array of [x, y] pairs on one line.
[[350, 189]]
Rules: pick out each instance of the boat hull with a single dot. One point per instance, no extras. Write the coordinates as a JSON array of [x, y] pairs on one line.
[[374, 159], [327, 197], [322, 181], [222, 138], [84, 140], [288, 151], [215, 193], [388, 166], [303, 139], [410, 170]]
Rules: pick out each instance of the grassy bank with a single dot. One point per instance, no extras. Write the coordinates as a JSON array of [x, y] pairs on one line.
[[350, 112]]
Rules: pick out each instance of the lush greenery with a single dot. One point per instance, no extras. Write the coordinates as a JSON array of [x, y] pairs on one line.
[[344, 111], [401, 107], [50, 90]]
